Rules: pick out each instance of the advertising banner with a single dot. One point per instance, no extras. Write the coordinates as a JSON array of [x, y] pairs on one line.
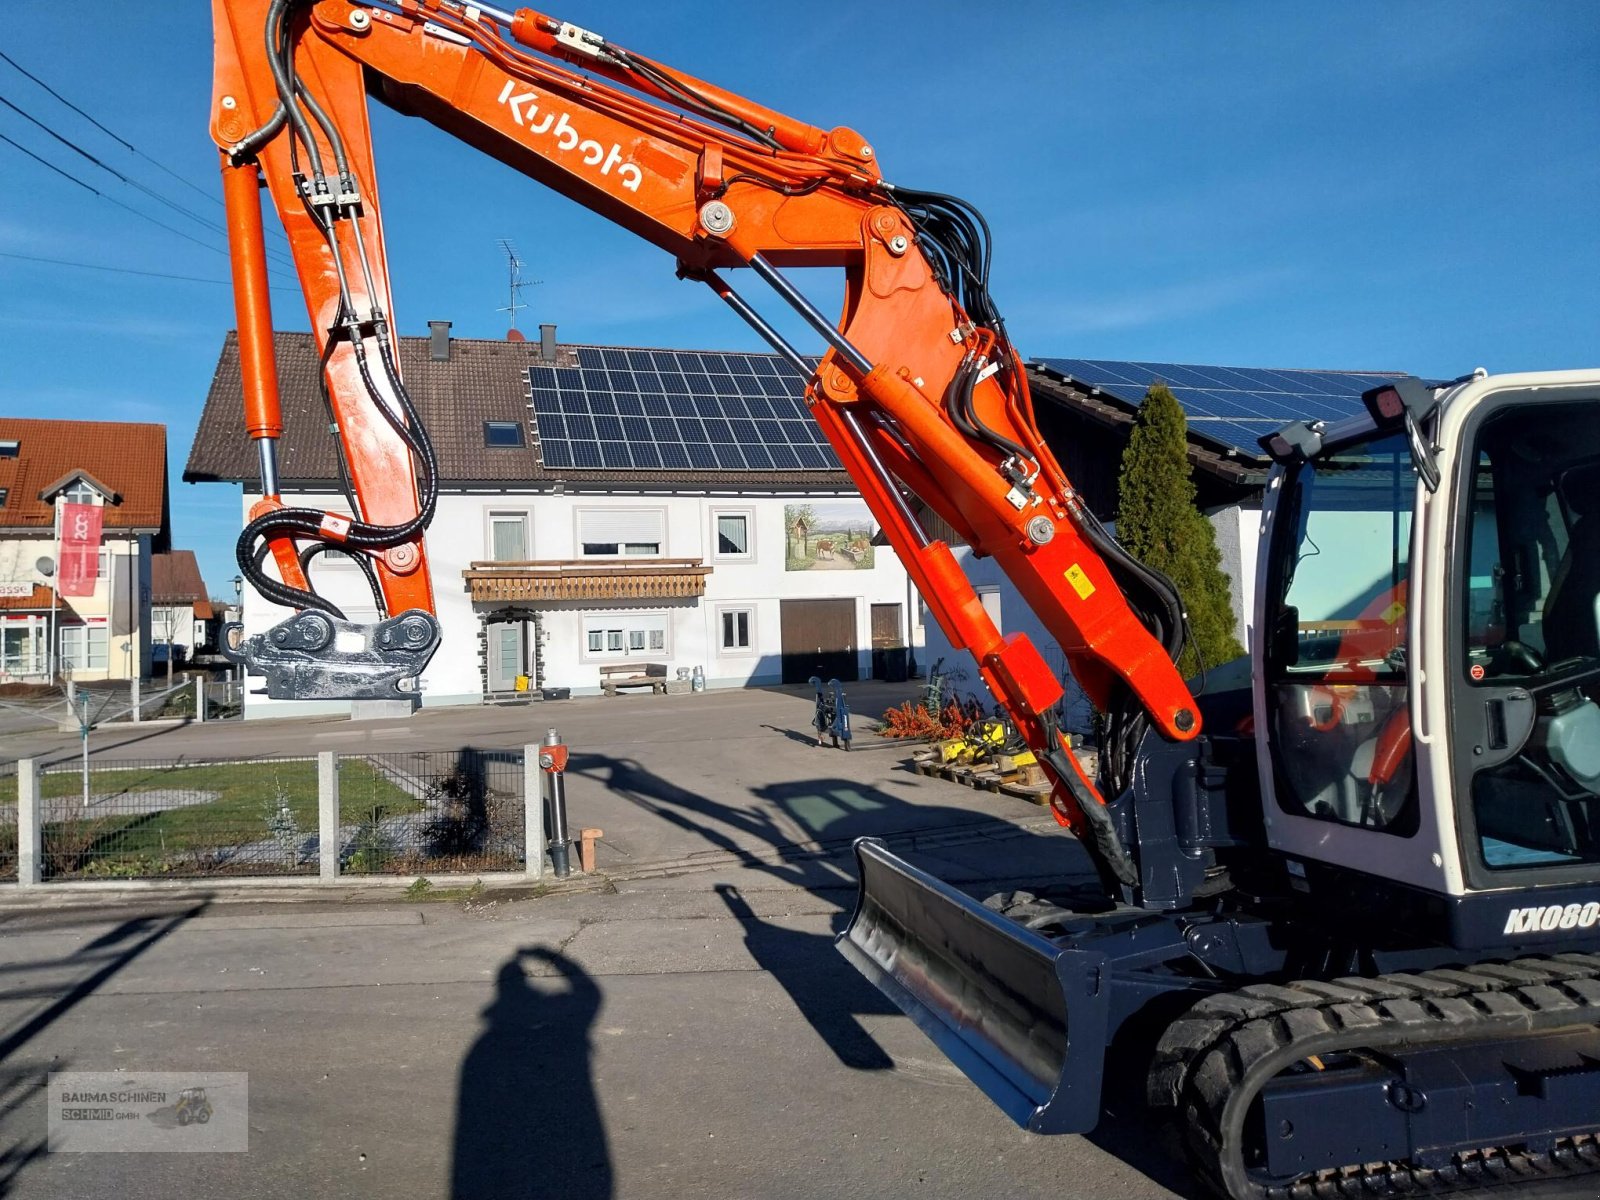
[[80, 548]]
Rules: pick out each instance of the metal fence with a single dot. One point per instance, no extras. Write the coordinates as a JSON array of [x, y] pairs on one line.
[[422, 813], [455, 811], [140, 820], [8, 822]]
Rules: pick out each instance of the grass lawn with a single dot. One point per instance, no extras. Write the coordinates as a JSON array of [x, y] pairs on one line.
[[248, 797]]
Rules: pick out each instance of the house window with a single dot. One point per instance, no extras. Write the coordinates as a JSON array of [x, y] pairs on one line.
[[83, 648], [732, 534], [738, 629], [508, 537], [625, 635], [20, 652], [81, 493], [4, 492], [989, 597], [168, 622], [10, 449], [622, 532], [502, 433], [103, 564]]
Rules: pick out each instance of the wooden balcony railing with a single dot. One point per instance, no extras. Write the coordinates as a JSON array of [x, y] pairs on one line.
[[587, 579]]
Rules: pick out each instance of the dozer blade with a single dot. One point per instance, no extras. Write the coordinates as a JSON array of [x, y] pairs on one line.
[[988, 991]]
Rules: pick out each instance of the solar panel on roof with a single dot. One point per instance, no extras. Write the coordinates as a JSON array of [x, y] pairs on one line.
[[675, 410], [1231, 405]]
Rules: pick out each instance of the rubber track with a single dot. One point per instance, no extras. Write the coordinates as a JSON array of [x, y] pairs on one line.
[[1211, 1063]]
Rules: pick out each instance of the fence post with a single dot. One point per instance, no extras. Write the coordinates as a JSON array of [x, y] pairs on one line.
[[328, 815], [199, 697], [29, 826], [533, 813]]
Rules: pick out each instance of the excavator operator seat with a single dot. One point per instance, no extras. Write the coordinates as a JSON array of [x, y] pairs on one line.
[[1572, 612]]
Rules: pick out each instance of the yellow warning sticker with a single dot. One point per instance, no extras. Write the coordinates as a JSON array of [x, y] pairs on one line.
[[1393, 613], [1079, 581]]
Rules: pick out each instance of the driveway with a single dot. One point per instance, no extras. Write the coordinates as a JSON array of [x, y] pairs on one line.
[[682, 1028]]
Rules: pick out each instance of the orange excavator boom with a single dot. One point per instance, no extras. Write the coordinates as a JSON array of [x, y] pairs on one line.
[[920, 392]]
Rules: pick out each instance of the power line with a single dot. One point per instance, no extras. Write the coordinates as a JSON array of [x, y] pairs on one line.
[[77, 149], [110, 199], [121, 141], [66, 262], [212, 226]]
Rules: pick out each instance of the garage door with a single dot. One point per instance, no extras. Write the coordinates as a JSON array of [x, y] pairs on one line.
[[819, 638]]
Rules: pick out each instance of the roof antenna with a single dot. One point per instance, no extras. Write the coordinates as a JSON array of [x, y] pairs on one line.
[[516, 284]]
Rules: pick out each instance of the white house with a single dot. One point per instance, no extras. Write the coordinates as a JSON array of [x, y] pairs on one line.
[[119, 468], [181, 613], [600, 505]]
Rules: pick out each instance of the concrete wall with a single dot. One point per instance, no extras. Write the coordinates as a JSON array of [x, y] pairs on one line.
[[461, 535], [1238, 530]]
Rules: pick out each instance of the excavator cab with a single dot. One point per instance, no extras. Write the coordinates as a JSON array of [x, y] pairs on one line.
[[1429, 608], [1421, 800]]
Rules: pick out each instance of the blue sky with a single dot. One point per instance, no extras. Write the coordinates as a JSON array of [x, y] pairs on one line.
[[1363, 185]]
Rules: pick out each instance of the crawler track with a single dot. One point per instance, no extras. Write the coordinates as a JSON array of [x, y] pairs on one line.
[[1212, 1064]]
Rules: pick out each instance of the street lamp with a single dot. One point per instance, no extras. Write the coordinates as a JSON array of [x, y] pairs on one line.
[[238, 597]]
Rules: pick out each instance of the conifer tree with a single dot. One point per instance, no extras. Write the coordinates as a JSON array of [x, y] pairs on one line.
[[1159, 523]]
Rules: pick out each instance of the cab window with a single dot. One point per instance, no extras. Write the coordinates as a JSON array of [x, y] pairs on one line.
[[1337, 655]]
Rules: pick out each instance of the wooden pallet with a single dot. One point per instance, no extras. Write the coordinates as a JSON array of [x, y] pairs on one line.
[[983, 776]]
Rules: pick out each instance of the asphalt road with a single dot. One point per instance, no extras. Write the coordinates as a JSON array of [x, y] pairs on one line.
[[683, 1028], [660, 1042]]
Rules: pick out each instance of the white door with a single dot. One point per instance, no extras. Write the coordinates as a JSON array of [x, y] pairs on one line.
[[505, 656]]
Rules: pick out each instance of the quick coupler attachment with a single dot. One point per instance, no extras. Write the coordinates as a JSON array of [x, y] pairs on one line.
[[313, 656]]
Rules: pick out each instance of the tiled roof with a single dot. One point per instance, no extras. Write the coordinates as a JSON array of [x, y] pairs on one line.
[[483, 380], [38, 599], [129, 460], [175, 578]]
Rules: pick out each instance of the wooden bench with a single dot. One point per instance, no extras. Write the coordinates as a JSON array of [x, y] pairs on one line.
[[630, 675]]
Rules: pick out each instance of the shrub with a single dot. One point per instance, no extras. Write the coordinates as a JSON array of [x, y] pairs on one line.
[[1158, 522], [914, 721]]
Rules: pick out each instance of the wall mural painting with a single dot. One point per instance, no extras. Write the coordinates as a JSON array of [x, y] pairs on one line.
[[828, 535]]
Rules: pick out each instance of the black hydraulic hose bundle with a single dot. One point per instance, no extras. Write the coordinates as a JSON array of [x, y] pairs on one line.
[[307, 523], [956, 240]]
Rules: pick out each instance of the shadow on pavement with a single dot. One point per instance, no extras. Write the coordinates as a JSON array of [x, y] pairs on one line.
[[828, 997], [527, 1120], [23, 1075], [829, 993]]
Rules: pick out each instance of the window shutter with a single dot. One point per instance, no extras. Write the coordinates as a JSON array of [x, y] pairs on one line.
[[621, 526]]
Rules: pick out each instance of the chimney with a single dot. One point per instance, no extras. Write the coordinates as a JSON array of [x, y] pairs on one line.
[[439, 341], [547, 343]]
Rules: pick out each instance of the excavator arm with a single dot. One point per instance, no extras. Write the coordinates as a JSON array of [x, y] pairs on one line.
[[920, 393]]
